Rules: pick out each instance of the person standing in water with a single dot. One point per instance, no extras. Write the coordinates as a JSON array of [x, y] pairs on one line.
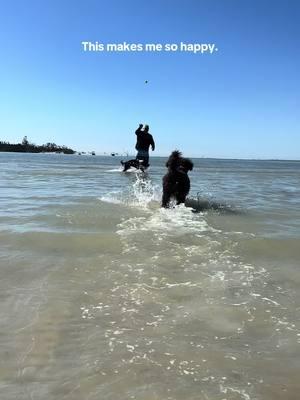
[[143, 142]]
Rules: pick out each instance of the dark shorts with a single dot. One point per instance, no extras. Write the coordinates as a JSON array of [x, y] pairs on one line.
[[143, 156]]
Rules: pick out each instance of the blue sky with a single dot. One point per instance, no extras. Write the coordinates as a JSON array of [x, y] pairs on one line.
[[240, 102]]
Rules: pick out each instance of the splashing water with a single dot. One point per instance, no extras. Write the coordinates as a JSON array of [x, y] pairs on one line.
[[140, 194], [144, 192]]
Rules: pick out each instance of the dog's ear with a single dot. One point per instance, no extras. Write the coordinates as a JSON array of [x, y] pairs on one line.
[[188, 164]]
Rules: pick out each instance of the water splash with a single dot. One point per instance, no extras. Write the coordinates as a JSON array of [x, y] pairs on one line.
[[144, 191], [140, 194]]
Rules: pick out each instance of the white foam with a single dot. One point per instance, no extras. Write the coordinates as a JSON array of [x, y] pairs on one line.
[[227, 390], [145, 195], [140, 194], [112, 197], [143, 191], [115, 170], [166, 222]]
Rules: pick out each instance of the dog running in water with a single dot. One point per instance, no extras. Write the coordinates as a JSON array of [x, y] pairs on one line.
[[138, 164], [176, 182]]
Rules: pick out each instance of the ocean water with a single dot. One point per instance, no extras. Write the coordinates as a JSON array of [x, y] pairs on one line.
[[106, 296]]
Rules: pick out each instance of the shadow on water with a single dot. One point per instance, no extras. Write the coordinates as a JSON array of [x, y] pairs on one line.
[[200, 204]]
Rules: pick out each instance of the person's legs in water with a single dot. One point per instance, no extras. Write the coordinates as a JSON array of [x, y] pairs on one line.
[[143, 157]]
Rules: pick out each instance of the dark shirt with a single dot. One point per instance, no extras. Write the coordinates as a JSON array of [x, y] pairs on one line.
[[144, 140]]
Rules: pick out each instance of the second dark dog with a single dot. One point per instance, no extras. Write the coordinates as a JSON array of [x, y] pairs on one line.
[[176, 183]]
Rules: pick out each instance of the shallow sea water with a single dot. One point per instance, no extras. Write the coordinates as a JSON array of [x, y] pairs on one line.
[[104, 295]]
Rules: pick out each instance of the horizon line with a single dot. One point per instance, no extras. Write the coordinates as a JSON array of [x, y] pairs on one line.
[[88, 153]]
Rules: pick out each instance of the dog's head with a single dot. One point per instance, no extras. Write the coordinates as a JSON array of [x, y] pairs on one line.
[[174, 160], [186, 165], [177, 162]]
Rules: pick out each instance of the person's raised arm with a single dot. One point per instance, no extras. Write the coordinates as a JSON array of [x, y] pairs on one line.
[[139, 129]]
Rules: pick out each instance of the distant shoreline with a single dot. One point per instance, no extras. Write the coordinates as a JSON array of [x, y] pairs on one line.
[[27, 147]]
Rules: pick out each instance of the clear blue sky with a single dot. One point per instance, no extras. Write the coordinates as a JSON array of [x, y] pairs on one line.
[[240, 102]]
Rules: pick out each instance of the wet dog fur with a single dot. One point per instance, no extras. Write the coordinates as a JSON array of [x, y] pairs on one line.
[[176, 182]]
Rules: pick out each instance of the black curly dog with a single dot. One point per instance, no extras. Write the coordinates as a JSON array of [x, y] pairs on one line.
[[176, 183]]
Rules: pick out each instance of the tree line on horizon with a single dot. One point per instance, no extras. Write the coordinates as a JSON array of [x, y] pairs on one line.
[[26, 147]]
